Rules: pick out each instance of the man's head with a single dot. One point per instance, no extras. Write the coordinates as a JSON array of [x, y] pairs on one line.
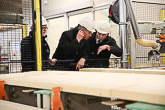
[[44, 26], [103, 28], [87, 25]]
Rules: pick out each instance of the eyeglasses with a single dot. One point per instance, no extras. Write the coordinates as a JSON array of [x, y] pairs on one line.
[[44, 28]]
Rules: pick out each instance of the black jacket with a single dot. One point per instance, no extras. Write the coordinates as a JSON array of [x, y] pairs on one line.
[[115, 49], [28, 52], [69, 48], [104, 55]]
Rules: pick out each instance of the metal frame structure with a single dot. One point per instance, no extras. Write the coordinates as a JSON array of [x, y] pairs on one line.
[[37, 6], [122, 25]]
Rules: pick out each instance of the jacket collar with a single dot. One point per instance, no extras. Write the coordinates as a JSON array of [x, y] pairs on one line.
[[75, 30]]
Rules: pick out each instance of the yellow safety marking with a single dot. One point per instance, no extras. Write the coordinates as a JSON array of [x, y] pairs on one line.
[[38, 35], [24, 31]]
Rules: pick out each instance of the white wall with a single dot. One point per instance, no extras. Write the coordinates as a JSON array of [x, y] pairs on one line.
[[55, 28], [54, 8], [59, 6], [62, 6]]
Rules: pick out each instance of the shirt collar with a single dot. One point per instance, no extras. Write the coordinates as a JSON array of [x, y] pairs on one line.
[[97, 40]]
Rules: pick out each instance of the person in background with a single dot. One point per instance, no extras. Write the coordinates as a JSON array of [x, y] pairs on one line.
[[72, 44], [28, 49], [102, 45]]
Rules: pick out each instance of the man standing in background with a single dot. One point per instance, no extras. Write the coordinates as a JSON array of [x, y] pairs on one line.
[[28, 49]]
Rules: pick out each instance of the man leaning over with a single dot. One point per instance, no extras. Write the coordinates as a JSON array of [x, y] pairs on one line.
[[72, 44]]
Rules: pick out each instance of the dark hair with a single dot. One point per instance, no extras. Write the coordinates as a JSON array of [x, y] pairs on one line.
[[81, 27]]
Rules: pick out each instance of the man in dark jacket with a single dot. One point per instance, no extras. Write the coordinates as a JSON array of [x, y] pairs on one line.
[[27, 53], [72, 44], [101, 46], [28, 50]]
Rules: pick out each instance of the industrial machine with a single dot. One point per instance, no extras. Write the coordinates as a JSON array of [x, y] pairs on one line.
[[11, 15], [121, 12], [14, 56]]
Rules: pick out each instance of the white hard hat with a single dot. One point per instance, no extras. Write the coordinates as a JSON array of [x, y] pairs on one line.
[[88, 24], [44, 22], [103, 27]]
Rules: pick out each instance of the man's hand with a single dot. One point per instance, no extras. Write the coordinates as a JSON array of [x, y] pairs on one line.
[[80, 63], [80, 35], [53, 61], [103, 47]]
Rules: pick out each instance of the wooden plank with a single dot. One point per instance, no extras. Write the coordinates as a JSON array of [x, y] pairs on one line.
[[129, 71], [142, 65], [112, 103], [4, 27], [6, 105], [138, 87]]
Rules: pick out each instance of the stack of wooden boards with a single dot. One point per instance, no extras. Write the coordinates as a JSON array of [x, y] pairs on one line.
[[121, 84], [137, 105]]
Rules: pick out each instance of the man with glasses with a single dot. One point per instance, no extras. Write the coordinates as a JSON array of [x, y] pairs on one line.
[[28, 50], [101, 45], [72, 44]]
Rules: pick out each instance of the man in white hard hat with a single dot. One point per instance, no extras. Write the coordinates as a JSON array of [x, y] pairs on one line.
[[101, 45], [28, 50], [72, 44], [45, 46]]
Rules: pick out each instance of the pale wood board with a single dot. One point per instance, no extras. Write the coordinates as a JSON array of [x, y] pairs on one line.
[[8, 27], [131, 71], [6, 105], [139, 87], [111, 103], [142, 65]]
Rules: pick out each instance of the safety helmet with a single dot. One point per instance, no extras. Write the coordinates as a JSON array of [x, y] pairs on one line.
[[103, 27], [87, 23], [44, 22]]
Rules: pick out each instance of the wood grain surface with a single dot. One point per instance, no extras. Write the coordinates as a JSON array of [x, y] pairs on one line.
[[131, 71], [6, 105], [122, 85]]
